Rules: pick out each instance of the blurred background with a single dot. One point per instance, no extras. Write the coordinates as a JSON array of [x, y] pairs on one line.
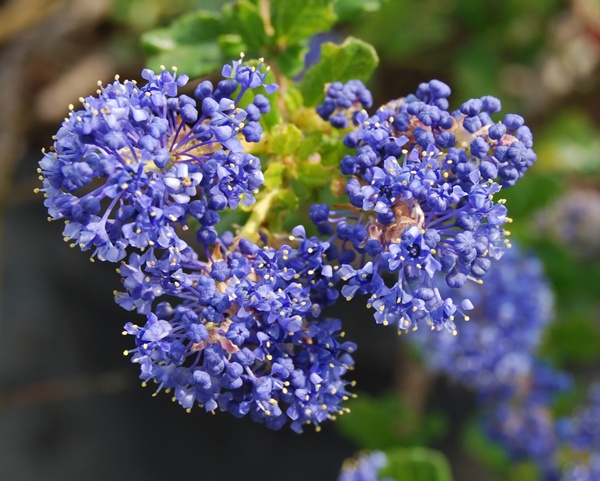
[[71, 407]]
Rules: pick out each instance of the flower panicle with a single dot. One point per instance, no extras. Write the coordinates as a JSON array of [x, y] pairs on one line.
[[138, 163], [245, 335], [423, 188]]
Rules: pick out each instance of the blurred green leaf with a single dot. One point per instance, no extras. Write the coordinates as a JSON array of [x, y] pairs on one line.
[[243, 17], [573, 338], [476, 444], [410, 27], [349, 10], [189, 59], [190, 43], [289, 200], [285, 139], [314, 175], [190, 29], [295, 22], [385, 422], [231, 44], [416, 464], [570, 143], [300, 190], [293, 99], [571, 278], [274, 175], [291, 60], [534, 191], [353, 59]]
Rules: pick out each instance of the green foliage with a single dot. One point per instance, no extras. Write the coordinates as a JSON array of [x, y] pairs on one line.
[[416, 464], [350, 10], [570, 144], [190, 43], [574, 338], [295, 22], [279, 30], [314, 175], [285, 140], [353, 59], [243, 17], [274, 176], [404, 28], [477, 445], [386, 421], [536, 190]]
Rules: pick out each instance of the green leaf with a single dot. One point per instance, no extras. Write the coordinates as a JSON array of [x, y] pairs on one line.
[[286, 139], [353, 59], [385, 422], [481, 448], [311, 144], [300, 190], [243, 17], [315, 175], [348, 10], [231, 44], [416, 464], [570, 144], [274, 176], [293, 99], [194, 61], [189, 43], [191, 29], [297, 21], [291, 60], [289, 200]]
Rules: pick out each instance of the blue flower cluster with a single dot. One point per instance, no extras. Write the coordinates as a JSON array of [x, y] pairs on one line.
[[244, 335], [137, 165], [237, 329], [519, 417], [514, 307], [344, 101], [235, 325], [365, 467], [495, 356], [422, 193]]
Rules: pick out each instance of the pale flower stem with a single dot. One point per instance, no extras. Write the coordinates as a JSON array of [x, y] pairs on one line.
[[258, 216]]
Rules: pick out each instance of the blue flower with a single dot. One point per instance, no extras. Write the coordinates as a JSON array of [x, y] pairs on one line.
[[135, 163]]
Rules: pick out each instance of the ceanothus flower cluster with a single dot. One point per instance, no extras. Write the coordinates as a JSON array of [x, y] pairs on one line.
[[422, 190], [514, 307], [233, 324], [343, 101], [137, 164], [244, 336], [495, 356], [237, 330], [519, 416]]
